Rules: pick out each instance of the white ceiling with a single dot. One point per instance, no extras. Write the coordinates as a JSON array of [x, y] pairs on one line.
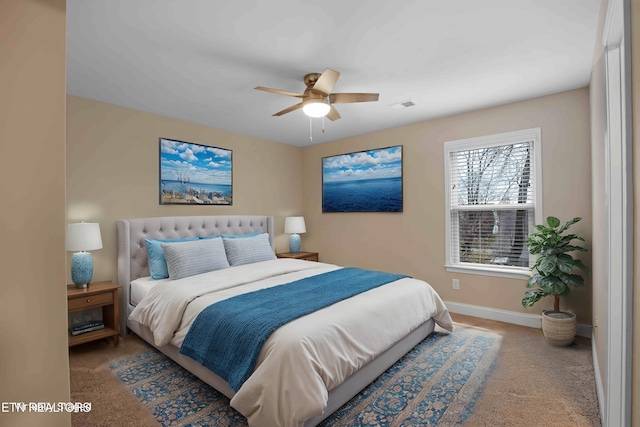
[[199, 60]]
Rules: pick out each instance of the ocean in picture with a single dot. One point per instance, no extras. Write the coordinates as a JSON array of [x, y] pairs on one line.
[[366, 195]]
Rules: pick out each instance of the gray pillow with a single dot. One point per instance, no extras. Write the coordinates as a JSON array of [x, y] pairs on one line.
[[248, 249], [186, 259]]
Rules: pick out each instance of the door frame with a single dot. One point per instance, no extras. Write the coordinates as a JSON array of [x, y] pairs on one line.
[[619, 214]]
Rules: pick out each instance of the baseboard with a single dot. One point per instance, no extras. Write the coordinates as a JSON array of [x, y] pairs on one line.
[[599, 388], [523, 319], [583, 330]]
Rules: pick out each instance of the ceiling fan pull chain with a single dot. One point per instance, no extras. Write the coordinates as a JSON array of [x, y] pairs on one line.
[[310, 129], [322, 124]]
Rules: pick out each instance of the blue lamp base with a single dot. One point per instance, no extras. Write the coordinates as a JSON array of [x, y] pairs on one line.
[[294, 243], [81, 269]]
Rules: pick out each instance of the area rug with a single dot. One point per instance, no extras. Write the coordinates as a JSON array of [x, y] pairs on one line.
[[436, 384]]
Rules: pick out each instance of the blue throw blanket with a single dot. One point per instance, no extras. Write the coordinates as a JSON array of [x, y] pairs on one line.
[[227, 336]]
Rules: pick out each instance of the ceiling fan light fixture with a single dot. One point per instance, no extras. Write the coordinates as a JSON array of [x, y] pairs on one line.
[[316, 107]]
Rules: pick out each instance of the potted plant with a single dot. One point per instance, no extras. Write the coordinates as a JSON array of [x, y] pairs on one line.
[[553, 274]]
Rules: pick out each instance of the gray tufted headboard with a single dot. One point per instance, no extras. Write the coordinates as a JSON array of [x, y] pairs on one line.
[[132, 250]]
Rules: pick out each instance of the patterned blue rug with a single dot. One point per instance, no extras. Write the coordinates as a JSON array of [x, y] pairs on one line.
[[436, 384]]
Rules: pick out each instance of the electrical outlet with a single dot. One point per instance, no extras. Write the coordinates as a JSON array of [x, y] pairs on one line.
[[455, 283]]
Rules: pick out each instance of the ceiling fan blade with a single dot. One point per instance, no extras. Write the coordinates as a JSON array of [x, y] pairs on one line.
[[326, 81], [342, 98], [290, 109], [333, 114], [279, 92]]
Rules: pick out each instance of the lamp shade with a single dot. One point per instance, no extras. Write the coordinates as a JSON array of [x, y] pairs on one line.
[[294, 225], [83, 236], [316, 107]]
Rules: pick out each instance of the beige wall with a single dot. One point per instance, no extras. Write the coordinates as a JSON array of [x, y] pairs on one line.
[[34, 360], [413, 241], [112, 172]]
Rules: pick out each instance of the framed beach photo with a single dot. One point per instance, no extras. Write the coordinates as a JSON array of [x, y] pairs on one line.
[[363, 181], [195, 174]]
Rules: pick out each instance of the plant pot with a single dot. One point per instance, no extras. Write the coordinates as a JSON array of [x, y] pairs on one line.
[[558, 327]]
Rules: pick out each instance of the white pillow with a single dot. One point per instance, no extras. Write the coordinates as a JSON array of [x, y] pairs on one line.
[[248, 249], [195, 257]]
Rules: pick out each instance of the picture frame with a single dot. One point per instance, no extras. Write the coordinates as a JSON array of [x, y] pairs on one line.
[[195, 174], [363, 181]]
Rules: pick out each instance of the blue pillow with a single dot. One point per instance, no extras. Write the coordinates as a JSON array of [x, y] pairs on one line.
[[231, 236], [240, 236], [157, 263]]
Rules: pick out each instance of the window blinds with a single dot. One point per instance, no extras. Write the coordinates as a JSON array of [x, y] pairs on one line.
[[492, 203]]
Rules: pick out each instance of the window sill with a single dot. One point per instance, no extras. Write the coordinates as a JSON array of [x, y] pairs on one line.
[[510, 273]]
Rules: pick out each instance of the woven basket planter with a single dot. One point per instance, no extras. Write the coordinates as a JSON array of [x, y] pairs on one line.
[[559, 328]]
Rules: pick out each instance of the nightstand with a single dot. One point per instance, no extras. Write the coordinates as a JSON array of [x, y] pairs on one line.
[[307, 256], [98, 294]]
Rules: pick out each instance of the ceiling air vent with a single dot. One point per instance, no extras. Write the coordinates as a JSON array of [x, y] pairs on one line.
[[402, 104]]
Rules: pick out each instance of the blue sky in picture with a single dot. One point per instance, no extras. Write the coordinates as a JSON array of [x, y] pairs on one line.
[[194, 163], [363, 165]]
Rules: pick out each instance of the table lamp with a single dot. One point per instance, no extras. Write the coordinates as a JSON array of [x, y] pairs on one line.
[[294, 225], [82, 237]]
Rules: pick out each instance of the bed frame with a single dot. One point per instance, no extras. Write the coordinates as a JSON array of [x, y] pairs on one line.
[[133, 263]]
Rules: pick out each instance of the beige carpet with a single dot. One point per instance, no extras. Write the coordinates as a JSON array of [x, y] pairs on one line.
[[535, 384], [532, 384]]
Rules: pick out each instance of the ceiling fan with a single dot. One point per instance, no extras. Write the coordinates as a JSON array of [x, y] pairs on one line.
[[317, 99]]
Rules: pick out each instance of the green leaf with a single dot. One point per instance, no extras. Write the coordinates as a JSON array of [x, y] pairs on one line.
[[565, 263], [536, 263], [553, 221], [578, 263], [532, 282], [569, 237], [548, 264], [558, 288], [571, 248], [531, 297], [569, 224], [574, 280], [547, 283]]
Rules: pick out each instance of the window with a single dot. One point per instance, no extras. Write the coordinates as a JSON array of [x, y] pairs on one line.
[[493, 202]]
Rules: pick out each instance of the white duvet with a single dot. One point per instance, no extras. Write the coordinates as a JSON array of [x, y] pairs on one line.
[[305, 358]]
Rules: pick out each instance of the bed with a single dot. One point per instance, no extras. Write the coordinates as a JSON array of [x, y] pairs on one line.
[[304, 389]]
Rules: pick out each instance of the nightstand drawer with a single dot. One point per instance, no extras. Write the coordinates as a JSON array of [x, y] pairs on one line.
[[89, 301]]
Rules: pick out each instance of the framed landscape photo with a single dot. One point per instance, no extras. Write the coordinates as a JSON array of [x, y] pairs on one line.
[[363, 181], [195, 174]]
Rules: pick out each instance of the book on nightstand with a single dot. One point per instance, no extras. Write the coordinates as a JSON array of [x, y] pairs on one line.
[[84, 327]]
